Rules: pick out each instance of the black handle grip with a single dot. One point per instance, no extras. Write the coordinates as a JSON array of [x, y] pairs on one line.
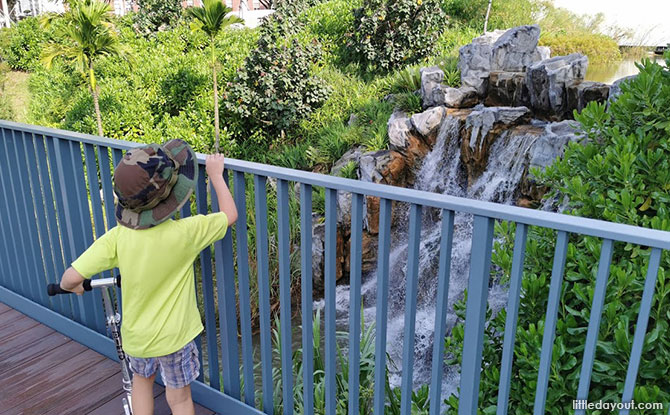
[[54, 289]]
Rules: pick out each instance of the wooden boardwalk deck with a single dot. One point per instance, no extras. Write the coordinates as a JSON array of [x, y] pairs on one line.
[[42, 372]]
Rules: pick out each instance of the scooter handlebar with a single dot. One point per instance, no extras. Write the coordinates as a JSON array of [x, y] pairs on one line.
[[54, 289]]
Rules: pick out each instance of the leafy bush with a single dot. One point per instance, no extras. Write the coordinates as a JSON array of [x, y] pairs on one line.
[[620, 173], [276, 89], [23, 44], [388, 34], [157, 15]]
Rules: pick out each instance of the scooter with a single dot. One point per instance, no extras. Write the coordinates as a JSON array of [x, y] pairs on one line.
[[113, 323]]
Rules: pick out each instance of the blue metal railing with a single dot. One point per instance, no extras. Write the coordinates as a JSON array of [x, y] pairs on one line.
[[56, 196]]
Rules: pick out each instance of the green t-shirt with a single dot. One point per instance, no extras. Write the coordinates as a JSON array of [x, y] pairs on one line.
[[160, 312]]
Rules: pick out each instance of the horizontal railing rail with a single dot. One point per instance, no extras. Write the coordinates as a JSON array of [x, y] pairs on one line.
[[574, 224], [56, 193]]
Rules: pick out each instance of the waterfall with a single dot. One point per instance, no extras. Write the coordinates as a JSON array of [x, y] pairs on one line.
[[442, 172]]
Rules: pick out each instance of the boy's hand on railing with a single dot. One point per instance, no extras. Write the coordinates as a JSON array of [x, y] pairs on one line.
[[214, 165]]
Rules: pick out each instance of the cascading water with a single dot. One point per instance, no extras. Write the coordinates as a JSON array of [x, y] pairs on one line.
[[443, 172]]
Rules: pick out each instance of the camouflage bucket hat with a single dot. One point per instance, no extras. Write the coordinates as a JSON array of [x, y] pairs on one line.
[[152, 183]]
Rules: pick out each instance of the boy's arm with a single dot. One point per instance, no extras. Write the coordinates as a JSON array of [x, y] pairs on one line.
[[214, 165], [72, 281]]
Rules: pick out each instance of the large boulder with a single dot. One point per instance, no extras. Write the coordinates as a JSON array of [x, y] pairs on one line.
[[481, 129], [547, 83], [549, 145], [426, 123], [507, 89], [581, 93], [431, 79], [463, 97], [474, 61], [399, 130], [515, 50]]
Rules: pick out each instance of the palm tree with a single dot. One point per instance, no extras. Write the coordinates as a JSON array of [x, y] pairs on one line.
[[89, 35], [211, 18]]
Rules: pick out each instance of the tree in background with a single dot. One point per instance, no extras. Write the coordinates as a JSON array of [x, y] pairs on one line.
[[88, 35], [157, 15], [212, 18]]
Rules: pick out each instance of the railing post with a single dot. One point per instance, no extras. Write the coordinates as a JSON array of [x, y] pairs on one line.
[[475, 314], [512, 317], [555, 289], [443, 275], [225, 285], [261, 205], [329, 294]]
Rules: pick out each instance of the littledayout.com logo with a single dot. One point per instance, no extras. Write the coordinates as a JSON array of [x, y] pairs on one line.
[[613, 406]]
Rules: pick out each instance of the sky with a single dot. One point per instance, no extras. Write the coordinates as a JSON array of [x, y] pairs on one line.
[[649, 18]]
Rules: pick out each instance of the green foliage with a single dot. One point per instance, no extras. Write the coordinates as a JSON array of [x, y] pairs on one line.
[[86, 33], [157, 15], [330, 22], [620, 173], [408, 102], [6, 111], [420, 398], [22, 44], [598, 48], [504, 13], [349, 170], [405, 80], [276, 87], [388, 34], [212, 17]]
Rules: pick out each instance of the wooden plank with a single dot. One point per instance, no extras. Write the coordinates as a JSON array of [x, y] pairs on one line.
[[16, 326], [4, 307], [9, 316], [22, 377], [82, 394], [47, 383], [10, 345], [114, 406], [46, 400], [25, 354]]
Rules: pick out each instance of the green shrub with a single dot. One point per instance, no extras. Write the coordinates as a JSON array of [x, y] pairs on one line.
[[157, 15], [23, 45], [620, 173], [388, 34], [276, 89]]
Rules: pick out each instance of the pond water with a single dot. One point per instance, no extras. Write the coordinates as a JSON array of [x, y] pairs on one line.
[[610, 72]]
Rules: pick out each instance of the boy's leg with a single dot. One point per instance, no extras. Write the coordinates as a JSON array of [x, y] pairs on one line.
[[178, 370], [180, 400], [143, 395]]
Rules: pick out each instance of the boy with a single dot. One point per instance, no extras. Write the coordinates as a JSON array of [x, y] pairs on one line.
[[155, 255]]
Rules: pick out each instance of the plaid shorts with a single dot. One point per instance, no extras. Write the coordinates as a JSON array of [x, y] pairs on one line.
[[178, 369]]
